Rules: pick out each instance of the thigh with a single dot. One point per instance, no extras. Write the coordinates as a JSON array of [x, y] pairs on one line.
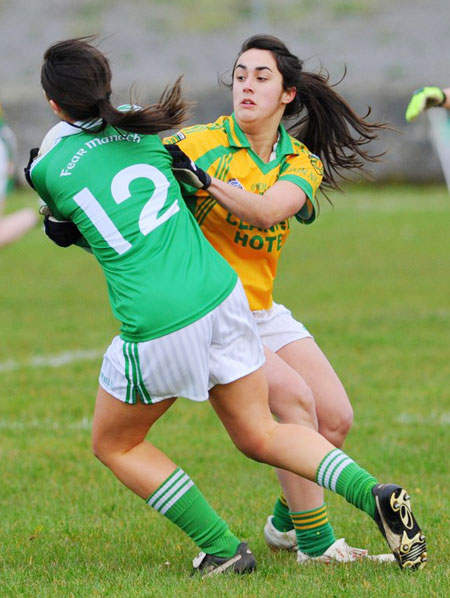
[[243, 408], [306, 358], [121, 426]]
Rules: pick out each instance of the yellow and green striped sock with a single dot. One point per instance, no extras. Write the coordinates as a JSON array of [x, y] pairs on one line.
[[313, 530], [281, 519]]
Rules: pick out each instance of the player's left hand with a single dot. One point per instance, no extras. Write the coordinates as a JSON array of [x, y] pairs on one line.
[[422, 99], [62, 232], [187, 171]]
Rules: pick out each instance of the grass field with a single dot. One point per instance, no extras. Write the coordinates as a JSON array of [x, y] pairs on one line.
[[371, 280]]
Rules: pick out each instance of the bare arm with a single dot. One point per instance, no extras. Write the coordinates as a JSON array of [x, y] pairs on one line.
[[281, 201]]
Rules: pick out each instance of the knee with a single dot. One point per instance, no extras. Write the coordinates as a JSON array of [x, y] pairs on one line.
[[99, 448], [102, 448], [294, 405], [254, 445], [336, 426]]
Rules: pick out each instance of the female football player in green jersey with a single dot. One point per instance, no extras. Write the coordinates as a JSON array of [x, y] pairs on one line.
[[186, 326], [260, 178]]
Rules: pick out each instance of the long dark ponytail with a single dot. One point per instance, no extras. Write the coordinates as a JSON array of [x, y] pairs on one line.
[[329, 128], [77, 76]]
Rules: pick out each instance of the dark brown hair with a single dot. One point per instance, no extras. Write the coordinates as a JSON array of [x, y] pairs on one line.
[[329, 127], [77, 76]]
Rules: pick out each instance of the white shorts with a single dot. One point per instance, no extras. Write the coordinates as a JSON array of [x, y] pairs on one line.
[[219, 348], [277, 327]]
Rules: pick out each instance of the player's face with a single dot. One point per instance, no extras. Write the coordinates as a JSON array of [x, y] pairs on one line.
[[258, 92]]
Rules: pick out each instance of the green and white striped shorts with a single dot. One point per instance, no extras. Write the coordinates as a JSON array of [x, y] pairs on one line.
[[221, 347]]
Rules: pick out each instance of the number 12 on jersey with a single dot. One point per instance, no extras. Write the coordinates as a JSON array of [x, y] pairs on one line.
[[149, 218]]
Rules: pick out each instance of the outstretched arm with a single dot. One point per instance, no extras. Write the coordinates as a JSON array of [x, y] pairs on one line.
[[283, 200], [427, 97]]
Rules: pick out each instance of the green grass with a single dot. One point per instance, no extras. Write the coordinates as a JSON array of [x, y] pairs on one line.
[[370, 279]]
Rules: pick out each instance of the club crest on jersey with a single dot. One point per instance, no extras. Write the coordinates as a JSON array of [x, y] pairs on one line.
[[235, 183]]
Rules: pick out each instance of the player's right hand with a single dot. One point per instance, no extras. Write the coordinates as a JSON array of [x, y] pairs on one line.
[[185, 170], [422, 99]]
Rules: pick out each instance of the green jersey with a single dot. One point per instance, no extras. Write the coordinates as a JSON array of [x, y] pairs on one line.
[[119, 190]]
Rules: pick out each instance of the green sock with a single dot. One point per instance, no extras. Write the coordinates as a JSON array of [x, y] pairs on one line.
[[341, 474], [281, 518], [179, 499], [313, 530]]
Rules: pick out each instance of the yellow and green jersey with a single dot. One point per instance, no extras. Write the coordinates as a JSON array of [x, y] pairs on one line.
[[222, 149]]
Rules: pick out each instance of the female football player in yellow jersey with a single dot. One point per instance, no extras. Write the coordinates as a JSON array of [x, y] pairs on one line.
[[260, 178]]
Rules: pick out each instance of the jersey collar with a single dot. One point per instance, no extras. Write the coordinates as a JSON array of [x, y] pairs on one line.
[[237, 138], [65, 129]]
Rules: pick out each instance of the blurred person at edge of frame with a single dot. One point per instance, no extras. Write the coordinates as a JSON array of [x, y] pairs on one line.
[[15, 225], [427, 97]]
